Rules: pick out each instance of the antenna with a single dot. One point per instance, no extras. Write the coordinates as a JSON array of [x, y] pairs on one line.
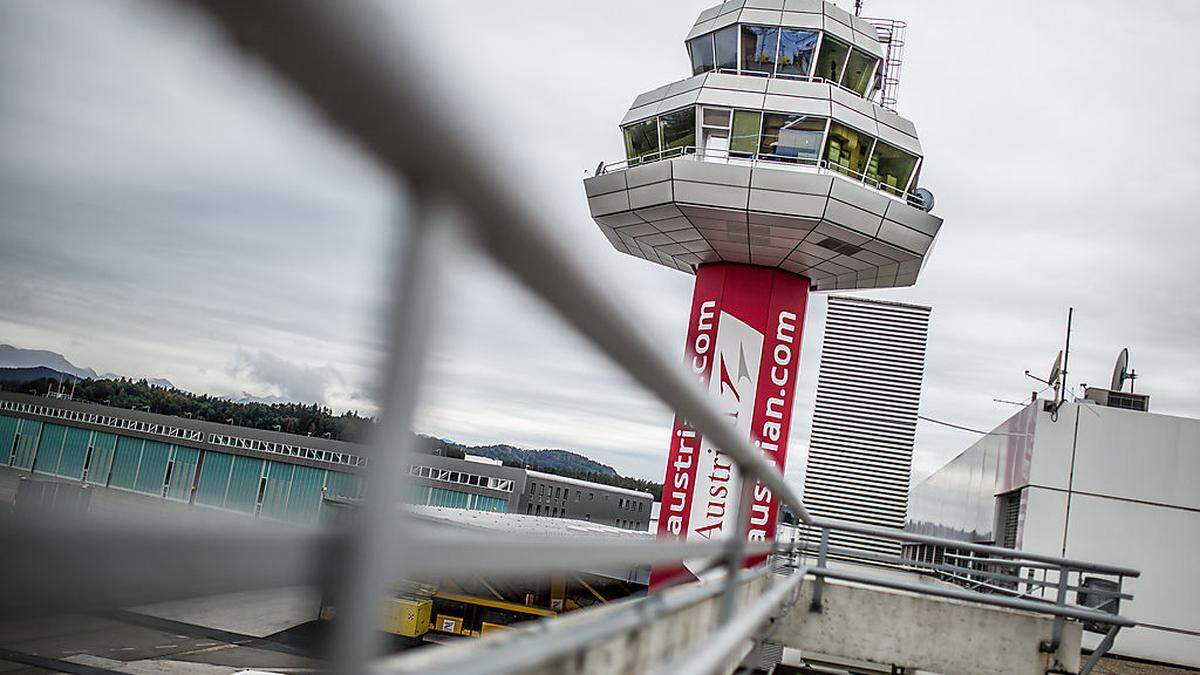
[[1121, 372], [599, 168], [858, 5]]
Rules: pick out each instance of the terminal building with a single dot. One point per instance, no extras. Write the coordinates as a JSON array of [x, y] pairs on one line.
[[1090, 481], [268, 474]]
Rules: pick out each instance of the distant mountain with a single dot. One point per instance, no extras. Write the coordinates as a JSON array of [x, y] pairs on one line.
[[247, 397], [16, 358], [550, 461], [31, 374]]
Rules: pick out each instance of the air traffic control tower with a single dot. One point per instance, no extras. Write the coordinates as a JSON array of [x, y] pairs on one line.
[[770, 173]]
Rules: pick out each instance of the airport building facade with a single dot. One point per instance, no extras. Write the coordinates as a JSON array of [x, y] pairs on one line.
[[1092, 482], [268, 474]]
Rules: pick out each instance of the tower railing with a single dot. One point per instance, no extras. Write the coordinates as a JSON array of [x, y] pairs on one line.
[[361, 72]]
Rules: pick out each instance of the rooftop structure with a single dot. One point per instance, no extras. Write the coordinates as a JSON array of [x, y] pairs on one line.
[[865, 418], [1101, 482]]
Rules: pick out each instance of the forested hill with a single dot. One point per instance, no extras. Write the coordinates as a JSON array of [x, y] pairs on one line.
[[314, 420]]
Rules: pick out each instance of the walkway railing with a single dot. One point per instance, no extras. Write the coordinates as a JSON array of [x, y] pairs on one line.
[[767, 160], [366, 80]]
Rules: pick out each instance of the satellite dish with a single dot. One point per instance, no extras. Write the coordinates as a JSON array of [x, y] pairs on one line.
[[599, 168], [1121, 370], [922, 199], [1056, 369]]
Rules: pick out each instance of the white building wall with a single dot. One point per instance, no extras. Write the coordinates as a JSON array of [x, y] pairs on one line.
[[1099, 484]]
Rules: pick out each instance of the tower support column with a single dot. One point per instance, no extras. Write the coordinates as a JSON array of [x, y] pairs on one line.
[[743, 345]]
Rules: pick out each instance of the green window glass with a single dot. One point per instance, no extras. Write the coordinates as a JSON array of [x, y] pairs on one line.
[[832, 59], [152, 472], [304, 497], [50, 448], [641, 139], [796, 51], [8, 437], [338, 484], [858, 72], [759, 45], [701, 49], [74, 453], [214, 478], [678, 131], [725, 43], [792, 138], [847, 150], [244, 481], [183, 471], [125, 462], [276, 489], [890, 168], [103, 446]]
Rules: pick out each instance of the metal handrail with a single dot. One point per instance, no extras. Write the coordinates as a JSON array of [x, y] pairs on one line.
[[771, 160]]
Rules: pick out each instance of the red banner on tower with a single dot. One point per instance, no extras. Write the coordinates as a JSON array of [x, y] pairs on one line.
[[743, 345]]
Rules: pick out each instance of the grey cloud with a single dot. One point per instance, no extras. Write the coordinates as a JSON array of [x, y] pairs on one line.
[[295, 382]]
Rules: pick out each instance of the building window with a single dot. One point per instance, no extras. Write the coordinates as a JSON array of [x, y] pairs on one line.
[[678, 130], [890, 168], [796, 50], [832, 59], [725, 42], [858, 73], [847, 150], [641, 139], [792, 138], [759, 46], [701, 49], [746, 127], [591, 496]]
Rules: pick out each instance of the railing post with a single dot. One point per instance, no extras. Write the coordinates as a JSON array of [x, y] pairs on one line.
[[1064, 574], [819, 584], [737, 548]]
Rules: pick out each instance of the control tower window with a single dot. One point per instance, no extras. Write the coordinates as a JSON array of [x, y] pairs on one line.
[[890, 168], [859, 70], [641, 139], [792, 138], [725, 42], [796, 51], [847, 150], [832, 59], [702, 54], [759, 47], [746, 126], [678, 131]]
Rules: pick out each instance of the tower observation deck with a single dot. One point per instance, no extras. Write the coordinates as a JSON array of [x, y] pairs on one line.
[[769, 172]]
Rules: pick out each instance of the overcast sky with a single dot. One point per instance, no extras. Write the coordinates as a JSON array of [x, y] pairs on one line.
[[168, 210]]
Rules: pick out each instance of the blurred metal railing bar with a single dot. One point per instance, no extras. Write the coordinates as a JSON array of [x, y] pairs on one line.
[[51, 565], [546, 640], [375, 555], [366, 76], [716, 652], [1040, 607], [451, 555], [995, 551]]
